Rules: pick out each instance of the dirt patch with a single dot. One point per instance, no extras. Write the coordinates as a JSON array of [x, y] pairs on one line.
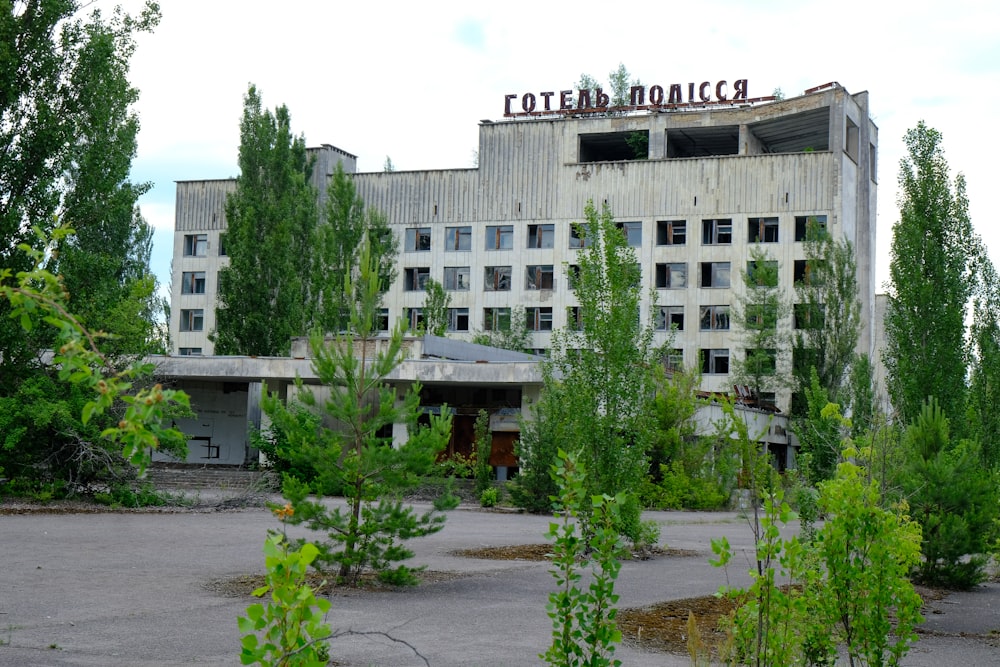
[[244, 585], [538, 552], [664, 626]]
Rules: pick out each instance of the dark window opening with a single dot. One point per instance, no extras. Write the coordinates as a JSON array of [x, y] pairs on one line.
[[810, 227], [614, 146], [703, 141], [763, 230], [671, 232]]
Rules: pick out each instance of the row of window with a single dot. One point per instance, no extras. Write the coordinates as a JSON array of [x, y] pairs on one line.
[[716, 231], [668, 275]]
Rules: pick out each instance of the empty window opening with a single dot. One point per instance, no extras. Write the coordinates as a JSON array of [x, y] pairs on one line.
[[193, 319], [715, 361], [810, 227], [195, 245], [671, 275], [763, 230], [539, 277], [497, 278], [669, 318], [458, 319], [496, 319], [808, 272], [193, 282], [538, 319], [578, 237], [714, 318], [382, 320], [632, 232], [761, 317], [414, 318], [614, 146], [717, 232], [415, 278], [851, 139], [715, 274], [761, 361], [764, 273], [541, 236], [671, 232], [703, 141], [673, 359], [574, 320], [190, 351], [809, 315]]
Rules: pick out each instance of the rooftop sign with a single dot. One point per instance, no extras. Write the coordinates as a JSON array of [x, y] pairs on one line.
[[640, 97]]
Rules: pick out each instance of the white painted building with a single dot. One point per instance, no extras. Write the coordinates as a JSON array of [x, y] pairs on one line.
[[713, 180]]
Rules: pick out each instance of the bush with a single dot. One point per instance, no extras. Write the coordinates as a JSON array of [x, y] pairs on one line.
[[678, 490], [489, 497]]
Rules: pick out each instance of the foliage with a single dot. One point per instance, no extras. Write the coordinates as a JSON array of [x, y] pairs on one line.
[[819, 433], [676, 488], [350, 450], [435, 308], [829, 310], [290, 629], [953, 498], [931, 283], [984, 381], [448, 500], [599, 381], [489, 497], [345, 223], [272, 218], [37, 296], [509, 336], [484, 448], [284, 457], [758, 312], [584, 631], [863, 396]]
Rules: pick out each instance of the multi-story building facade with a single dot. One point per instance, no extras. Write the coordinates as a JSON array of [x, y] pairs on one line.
[[693, 187]]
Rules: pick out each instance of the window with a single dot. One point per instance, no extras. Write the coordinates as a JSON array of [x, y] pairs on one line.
[[761, 316], [415, 278], [578, 236], [496, 319], [715, 274], [572, 275], [671, 232], [539, 277], [574, 322], [222, 245], [414, 318], [193, 282], [851, 139], [418, 239], [538, 319], [458, 238], [671, 276], [715, 361], [669, 317], [716, 232], [809, 227], [190, 351], [497, 279], [808, 272], [195, 245], [763, 274], [457, 278], [763, 230], [632, 232], [382, 319], [499, 237], [673, 360], [762, 361], [458, 319], [541, 236], [808, 315], [609, 146], [193, 319], [714, 318]]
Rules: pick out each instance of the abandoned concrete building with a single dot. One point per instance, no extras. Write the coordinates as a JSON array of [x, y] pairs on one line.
[[694, 187]]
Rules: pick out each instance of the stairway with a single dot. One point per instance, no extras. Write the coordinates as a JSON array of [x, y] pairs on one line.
[[217, 477]]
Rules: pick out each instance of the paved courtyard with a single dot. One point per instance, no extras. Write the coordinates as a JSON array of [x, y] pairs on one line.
[[133, 589]]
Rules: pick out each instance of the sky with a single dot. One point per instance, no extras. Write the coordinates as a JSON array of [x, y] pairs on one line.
[[411, 81]]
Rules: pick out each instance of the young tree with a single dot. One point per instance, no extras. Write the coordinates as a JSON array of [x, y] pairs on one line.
[[827, 315], [351, 451], [758, 312], [602, 376], [436, 308], [345, 223], [510, 333], [931, 283], [984, 381], [272, 217]]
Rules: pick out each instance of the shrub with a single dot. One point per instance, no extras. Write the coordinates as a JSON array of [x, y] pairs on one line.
[[489, 497]]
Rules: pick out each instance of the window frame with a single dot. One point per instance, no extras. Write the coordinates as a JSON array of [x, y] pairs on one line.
[[668, 233], [193, 243], [414, 238], [713, 273], [415, 278], [539, 283], [502, 236], [667, 316], [497, 278], [632, 231], [802, 226], [763, 230], [718, 316], [668, 270], [458, 239], [453, 276], [717, 231], [711, 357], [456, 316], [541, 236], [192, 320], [538, 318], [190, 282], [494, 318]]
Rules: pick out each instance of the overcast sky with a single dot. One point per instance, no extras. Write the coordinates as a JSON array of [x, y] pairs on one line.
[[411, 80]]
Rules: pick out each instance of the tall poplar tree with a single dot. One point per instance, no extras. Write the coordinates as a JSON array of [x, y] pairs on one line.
[[272, 217], [931, 284], [759, 312]]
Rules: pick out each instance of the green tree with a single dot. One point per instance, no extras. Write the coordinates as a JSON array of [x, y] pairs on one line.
[[599, 380], [271, 217], [827, 313], [351, 451], [511, 333], [67, 140], [931, 282], [436, 308], [759, 312], [984, 381], [345, 223]]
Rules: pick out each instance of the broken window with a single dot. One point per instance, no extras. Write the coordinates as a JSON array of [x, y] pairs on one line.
[[193, 282], [808, 272], [632, 232], [497, 279], [458, 238], [671, 232], [673, 359], [539, 277], [578, 236], [614, 146], [222, 244], [496, 319], [457, 278], [810, 227], [715, 274], [458, 319], [716, 232], [418, 239], [499, 237], [189, 351], [415, 278], [414, 318], [763, 230], [193, 319], [671, 276], [715, 361], [382, 319], [574, 321], [541, 236], [572, 275], [714, 318], [195, 245], [669, 317], [538, 319]]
